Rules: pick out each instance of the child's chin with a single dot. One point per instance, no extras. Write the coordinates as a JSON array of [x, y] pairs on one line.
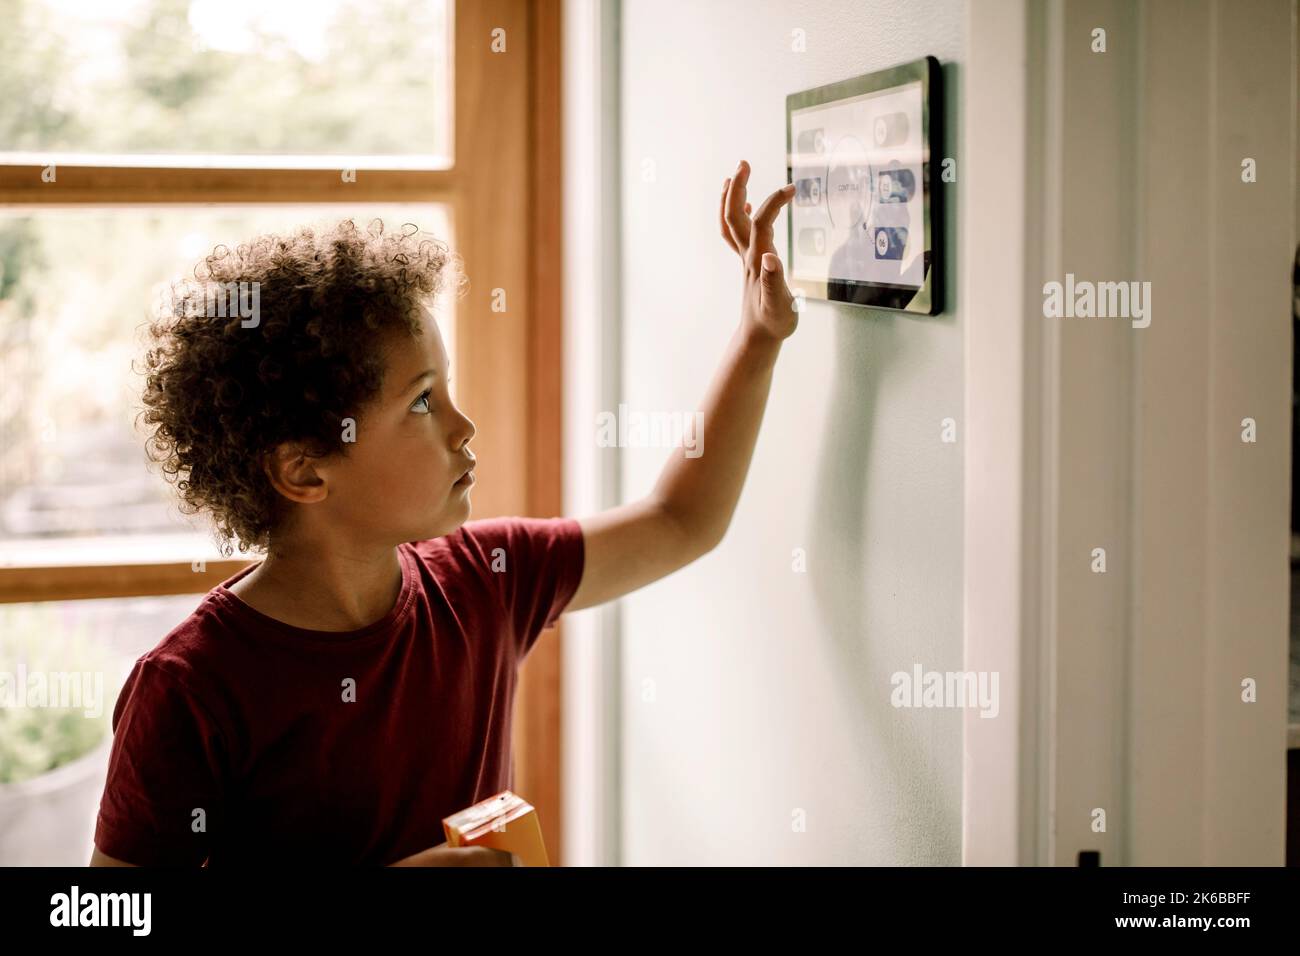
[[452, 520]]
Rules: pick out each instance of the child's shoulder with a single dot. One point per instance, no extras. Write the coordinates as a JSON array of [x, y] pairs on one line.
[[202, 650], [483, 539], [463, 550], [189, 650]]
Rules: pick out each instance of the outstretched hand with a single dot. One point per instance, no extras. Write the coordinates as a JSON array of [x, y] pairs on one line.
[[767, 305]]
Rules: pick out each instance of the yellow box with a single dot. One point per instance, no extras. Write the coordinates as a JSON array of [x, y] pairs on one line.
[[503, 822]]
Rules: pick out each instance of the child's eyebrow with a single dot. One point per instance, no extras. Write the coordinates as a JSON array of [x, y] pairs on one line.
[[427, 373]]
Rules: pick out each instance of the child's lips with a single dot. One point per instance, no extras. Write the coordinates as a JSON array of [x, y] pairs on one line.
[[466, 479]]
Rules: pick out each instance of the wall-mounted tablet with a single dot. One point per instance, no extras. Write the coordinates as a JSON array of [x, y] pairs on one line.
[[865, 218]]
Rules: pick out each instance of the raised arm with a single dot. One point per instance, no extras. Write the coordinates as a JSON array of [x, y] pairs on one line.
[[690, 508]]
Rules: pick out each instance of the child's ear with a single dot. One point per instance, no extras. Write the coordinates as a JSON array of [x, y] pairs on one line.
[[291, 471]]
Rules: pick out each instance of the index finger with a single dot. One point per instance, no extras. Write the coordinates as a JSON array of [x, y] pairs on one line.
[[722, 217], [735, 202], [766, 214]]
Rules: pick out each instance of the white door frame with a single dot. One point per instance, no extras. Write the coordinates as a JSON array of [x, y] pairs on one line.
[[1120, 691], [592, 317]]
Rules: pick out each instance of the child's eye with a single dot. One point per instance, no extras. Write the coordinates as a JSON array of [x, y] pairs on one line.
[[424, 397]]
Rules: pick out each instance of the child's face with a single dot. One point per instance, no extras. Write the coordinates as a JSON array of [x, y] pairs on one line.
[[399, 480]]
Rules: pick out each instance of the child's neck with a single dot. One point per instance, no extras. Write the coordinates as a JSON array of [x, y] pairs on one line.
[[323, 591]]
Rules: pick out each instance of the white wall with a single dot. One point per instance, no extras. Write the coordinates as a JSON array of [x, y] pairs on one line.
[[751, 692]]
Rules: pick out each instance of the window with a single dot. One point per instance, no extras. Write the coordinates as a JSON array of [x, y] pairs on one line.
[[136, 133], [314, 80], [72, 306]]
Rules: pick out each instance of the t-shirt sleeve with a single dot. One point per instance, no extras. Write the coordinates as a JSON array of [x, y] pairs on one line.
[[167, 762], [535, 564]]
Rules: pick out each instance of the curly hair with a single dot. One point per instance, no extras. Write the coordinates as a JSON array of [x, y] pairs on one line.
[[222, 390]]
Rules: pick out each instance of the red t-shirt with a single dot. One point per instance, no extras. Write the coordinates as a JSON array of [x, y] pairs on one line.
[[250, 720]]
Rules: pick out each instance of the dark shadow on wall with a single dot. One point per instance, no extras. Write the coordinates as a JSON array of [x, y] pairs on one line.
[[867, 344]]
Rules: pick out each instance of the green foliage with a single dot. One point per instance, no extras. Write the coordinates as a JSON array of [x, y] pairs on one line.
[[36, 740], [32, 55], [20, 259], [150, 85]]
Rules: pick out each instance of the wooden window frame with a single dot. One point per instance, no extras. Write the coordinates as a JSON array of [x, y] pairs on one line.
[[506, 129]]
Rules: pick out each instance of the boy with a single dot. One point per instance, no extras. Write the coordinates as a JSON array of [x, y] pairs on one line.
[[332, 703]]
